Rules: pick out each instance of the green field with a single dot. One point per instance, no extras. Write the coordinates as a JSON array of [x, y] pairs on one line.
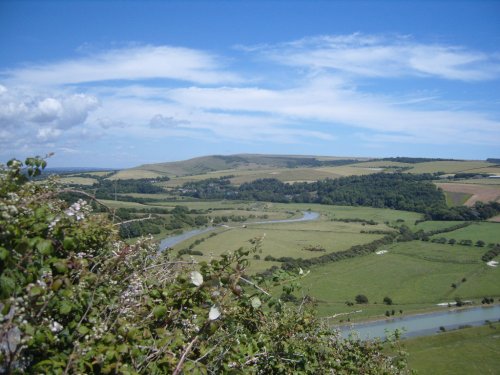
[[454, 198], [450, 166], [466, 351], [427, 226], [284, 240], [73, 180], [416, 275], [487, 232]]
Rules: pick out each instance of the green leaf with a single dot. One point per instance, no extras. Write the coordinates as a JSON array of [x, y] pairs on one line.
[[45, 247], [82, 330], [159, 311], [4, 253], [35, 291], [60, 267], [65, 308], [69, 243]]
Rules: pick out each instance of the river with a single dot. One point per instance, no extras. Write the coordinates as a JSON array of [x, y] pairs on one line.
[[174, 240], [424, 324]]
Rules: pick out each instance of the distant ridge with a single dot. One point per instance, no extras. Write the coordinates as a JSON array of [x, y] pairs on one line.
[[213, 163]]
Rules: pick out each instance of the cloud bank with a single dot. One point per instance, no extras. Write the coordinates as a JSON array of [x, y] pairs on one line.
[[336, 88]]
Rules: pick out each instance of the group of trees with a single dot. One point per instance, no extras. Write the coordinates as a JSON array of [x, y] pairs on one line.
[[400, 191], [74, 298]]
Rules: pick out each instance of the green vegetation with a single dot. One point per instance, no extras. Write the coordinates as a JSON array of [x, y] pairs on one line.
[[455, 198], [76, 299], [416, 275], [389, 257], [484, 231], [472, 350]]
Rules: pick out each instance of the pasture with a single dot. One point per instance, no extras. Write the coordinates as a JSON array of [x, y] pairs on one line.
[[474, 350], [415, 275], [74, 180], [487, 232], [450, 166], [283, 240]]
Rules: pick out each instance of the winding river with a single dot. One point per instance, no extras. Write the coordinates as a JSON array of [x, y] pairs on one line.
[[424, 324], [174, 240], [412, 326]]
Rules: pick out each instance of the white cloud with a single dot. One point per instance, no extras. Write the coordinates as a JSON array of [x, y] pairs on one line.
[[136, 63], [24, 113], [72, 101], [376, 56]]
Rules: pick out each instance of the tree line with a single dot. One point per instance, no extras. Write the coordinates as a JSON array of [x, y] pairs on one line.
[[400, 191]]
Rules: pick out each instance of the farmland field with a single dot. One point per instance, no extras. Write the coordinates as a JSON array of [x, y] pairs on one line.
[[450, 166], [487, 232], [473, 350], [73, 180], [478, 192], [415, 275], [285, 240]]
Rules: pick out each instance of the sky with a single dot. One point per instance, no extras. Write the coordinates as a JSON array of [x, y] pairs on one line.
[[122, 83]]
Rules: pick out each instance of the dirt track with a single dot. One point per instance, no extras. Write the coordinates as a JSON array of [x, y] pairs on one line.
[[482, 193]]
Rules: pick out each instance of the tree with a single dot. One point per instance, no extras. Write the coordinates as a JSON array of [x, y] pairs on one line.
[[76, 299], [361, 299], [387, 300]]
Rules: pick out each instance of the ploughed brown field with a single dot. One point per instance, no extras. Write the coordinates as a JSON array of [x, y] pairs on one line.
[[479, 192]]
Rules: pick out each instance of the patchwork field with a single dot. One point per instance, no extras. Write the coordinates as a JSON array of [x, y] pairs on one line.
[[484, 193]]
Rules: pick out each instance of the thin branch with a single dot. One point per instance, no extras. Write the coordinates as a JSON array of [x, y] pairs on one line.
[[184, 355], [341, 314], [132, 220], [255, 285]]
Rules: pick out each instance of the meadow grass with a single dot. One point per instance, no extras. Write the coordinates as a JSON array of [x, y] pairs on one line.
[[449, 166], [73, 180], [403, 274], [381, 164], [380, 215], [283, 240], [484, 231], [349, 170], [126, 174], [474, 350], [427, 226]]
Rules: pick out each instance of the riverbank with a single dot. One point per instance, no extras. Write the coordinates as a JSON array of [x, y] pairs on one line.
[[424, 324], [171, 241], [474, 350]]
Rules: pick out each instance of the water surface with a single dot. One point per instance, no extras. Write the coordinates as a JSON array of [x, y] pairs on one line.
[[424, 324]]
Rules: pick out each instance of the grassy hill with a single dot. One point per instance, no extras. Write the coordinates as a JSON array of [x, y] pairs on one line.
[[216, 163]]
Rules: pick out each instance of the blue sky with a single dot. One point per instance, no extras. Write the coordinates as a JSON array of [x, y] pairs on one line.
[[122, 83]]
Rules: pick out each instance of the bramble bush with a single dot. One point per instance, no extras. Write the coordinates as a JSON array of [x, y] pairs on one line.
[[74, 298]]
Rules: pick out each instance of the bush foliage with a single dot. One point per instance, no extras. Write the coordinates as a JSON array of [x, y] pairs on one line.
[[74, 298]]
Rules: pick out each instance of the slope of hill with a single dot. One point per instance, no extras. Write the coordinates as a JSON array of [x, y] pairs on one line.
[[215, 163]]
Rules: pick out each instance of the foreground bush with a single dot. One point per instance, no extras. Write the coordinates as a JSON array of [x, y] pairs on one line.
[[76, 299]]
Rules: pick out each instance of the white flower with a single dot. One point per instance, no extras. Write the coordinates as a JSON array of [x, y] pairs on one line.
[[256, 303], [196, 278], [214, 313], [55, 326]]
